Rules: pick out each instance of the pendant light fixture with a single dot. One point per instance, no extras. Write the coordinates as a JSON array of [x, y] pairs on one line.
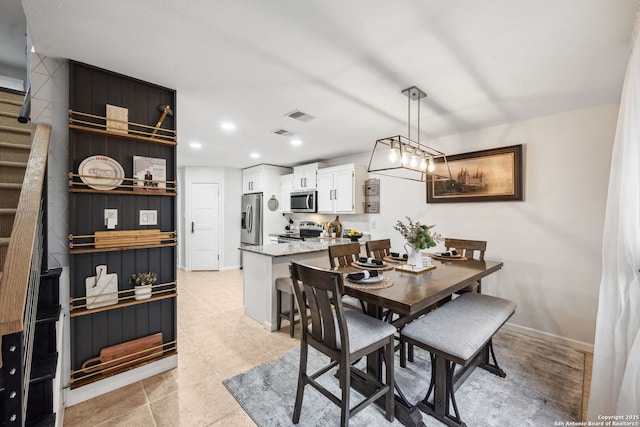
[[402, 157]]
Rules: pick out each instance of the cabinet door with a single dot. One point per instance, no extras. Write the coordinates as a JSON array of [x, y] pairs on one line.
[[252, 182], [343, 193], [310, 178], [298, 179], [286, 186], [325, 192], [246, 183]]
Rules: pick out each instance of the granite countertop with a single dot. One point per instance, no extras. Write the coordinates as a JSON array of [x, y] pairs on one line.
[[293, 248]]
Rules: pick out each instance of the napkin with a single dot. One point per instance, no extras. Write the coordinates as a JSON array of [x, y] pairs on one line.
[[397, 255], [370, 261], [364, 275], [449, 253]]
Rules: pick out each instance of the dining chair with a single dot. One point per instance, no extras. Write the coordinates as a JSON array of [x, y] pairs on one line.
[[343, 255], [284, 287], [344, 336], [378, 249], [471, 249]]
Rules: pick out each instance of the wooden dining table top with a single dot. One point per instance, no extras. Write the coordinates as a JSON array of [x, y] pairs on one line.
[[411, 293]]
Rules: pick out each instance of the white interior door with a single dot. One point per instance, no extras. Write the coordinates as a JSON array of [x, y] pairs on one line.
[[204, 226]]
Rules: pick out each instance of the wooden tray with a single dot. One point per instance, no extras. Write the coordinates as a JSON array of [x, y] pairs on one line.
[[413, 269], [115, 239], [124, 354]]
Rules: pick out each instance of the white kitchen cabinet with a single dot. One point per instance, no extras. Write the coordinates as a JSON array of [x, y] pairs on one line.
[[340, 189], [286, 187], [252, 180], [305, 176]]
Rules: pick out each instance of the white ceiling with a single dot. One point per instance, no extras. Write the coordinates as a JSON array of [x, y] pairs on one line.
[[482, 63]]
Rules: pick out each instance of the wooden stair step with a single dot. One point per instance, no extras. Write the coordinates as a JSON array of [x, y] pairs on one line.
[[15, 129], [14, 146], [4, 100], [9, 114], [7, 164]]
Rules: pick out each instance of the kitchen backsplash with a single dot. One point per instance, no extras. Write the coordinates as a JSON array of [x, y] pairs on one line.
[[360, 222]]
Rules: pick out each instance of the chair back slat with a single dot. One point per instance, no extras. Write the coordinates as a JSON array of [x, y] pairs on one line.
[[378, 249], [342, 255], [322, 288], [467, 248]]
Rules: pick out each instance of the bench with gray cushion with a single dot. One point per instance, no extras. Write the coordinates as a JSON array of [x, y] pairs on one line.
[[458, 333]]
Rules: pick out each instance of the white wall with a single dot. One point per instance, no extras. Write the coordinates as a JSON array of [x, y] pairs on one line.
[[230, 181], [549, 243]]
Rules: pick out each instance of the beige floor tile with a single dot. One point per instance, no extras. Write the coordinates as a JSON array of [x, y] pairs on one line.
[[105, 407], [198, 404], [141, 416], [160, 385]]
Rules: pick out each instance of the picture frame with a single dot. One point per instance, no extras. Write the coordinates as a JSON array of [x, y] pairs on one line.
[[479, 176], [149, 174]]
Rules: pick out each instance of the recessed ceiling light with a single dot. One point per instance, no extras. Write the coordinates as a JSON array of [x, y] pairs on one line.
[[255, 155], [195, 145], [296, 142], [228, 126]]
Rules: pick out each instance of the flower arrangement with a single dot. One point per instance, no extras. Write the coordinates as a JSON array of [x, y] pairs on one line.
[[418, 235], [141, 279]]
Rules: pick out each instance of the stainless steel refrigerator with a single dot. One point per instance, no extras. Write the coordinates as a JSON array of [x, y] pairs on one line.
[[251, 229]]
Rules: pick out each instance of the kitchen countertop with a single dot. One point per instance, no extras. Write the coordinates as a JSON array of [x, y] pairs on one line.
[[314, 244]]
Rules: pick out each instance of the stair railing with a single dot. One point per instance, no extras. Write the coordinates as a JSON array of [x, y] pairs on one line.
[[20, 282], [25, 110]]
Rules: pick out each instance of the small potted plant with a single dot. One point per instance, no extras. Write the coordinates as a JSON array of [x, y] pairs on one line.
[[333, 228], [142, 284]]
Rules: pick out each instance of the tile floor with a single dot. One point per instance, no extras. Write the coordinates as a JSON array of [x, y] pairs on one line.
[[215, 341]]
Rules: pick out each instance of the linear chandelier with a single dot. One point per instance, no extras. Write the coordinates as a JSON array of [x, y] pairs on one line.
[[401, 157]]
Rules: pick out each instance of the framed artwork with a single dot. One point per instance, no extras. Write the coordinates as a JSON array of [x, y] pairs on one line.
[[479, 176]]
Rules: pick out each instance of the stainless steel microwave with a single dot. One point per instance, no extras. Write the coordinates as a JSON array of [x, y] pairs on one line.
[[304, 201]]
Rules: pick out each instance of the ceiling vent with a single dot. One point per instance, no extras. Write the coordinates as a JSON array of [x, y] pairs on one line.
[[299, 115], [283, 132]]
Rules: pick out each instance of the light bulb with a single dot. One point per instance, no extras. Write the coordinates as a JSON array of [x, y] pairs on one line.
[[394, 153], [406, 156], [423, 164], [414, 159], [432, 165]]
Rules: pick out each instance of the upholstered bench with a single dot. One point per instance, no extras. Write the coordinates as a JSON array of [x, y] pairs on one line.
[[458, 333]]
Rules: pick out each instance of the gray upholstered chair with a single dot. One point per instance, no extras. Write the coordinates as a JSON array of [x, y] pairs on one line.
[[344, 336]]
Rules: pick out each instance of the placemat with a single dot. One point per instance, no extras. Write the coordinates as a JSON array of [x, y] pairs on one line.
[[362, 267], [384, 283], [447, 258], [415, 270], [396, 261]]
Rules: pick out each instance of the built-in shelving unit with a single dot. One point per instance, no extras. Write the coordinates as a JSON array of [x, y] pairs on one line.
[[127, 332]]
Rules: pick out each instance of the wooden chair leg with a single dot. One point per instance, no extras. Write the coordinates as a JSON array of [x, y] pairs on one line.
[[292, 315], [390, 400], [345, 385], [302, 374], [279, 309]]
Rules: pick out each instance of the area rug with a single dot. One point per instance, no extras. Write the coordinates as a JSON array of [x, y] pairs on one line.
[[543, 386]]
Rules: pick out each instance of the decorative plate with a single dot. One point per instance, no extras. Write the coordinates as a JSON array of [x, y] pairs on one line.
[[370, 280], [101, 172]]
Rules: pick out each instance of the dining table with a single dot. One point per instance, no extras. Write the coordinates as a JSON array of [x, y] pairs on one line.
[[409, 296]]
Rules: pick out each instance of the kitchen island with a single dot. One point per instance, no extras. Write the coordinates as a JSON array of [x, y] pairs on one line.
[[263, 264]]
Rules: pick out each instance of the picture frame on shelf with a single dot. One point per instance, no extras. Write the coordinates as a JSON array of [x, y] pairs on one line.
[[149, 174], [117, 119], [479, 176]]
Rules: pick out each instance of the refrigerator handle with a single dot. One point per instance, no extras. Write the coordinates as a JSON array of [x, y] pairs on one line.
[[250, 218], [192, 226]]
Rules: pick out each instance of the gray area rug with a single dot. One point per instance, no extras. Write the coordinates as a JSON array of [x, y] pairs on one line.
[[543, 385]]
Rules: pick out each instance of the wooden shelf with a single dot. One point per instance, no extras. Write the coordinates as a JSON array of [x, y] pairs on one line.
[[76, 186], [121, 240], [124, 302], [91, 123]]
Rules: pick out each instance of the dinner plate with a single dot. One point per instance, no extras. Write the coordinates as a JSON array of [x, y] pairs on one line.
[[398, 258], [366, 264], [369, 281], [101, 172]]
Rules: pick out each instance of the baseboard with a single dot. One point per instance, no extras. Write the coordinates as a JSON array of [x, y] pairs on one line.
[[231, 267], [578, 345], [115, 382]]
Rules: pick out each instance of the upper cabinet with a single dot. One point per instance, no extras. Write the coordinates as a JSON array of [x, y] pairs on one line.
[[286, 186], [252, 180], [305, 177], [339, 189]]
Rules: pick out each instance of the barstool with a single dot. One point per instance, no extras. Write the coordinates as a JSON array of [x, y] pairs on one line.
[[283, 286]]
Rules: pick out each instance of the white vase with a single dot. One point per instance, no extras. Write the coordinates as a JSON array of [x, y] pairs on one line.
[[142, 292], [414, 255]]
